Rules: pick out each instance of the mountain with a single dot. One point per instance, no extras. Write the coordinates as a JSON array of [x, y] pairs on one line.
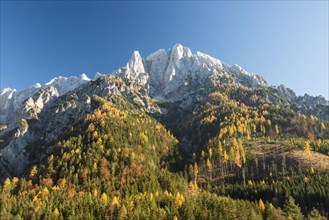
[[169, 73], [173, 122], [36, 96], [173, 75], [169, 76]]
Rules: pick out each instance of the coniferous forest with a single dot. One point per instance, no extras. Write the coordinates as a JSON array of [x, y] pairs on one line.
[[237, 154]]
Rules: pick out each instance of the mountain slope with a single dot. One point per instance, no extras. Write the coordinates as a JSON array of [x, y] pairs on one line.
[[23, 140], [235, 133], [114, 164]]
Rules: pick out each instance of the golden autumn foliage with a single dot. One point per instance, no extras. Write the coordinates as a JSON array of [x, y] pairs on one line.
[[210, 152], [33, 171], [56, 212], [7, 183], [115, 201], [179, 199], [323, 126], [261, 205], [104, 197], [225, 157], [208, 120], [15, 181], [307, 148]]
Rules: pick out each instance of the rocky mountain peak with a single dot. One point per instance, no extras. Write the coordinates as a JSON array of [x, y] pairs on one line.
[[13, 102], [84, 77], [164, 72], [179, 51], [135, 63]]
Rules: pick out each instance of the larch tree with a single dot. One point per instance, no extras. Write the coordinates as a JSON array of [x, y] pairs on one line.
[[261, 204], [307, 148], [33, 171]]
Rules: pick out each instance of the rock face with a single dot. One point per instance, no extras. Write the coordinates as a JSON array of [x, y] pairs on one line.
[[33, 119], [134, 70], [311, 101], [173, 75], [286, 92], [33, 105], [166, 72], [14, 103]]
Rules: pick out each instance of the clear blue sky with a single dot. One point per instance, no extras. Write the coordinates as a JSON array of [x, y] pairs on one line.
[[286, 42]]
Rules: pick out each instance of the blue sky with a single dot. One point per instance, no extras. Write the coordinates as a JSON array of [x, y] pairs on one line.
[[286, 42]]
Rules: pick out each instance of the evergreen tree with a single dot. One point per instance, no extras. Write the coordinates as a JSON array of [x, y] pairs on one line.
[[315, 215], [292, 210], [268, 211]]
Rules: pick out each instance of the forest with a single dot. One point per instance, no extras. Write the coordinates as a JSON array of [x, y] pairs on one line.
[[234, 155]]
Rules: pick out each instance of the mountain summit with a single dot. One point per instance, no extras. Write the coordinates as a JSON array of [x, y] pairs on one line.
[[169, 73]]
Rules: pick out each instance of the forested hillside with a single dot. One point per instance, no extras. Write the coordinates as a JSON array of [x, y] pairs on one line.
[[119, 163], [115, 164], [249, 147], [173, 136]]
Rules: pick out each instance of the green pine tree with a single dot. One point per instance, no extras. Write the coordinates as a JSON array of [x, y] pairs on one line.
[[123, 212], [315, 215], [268, 211], [292, 210]]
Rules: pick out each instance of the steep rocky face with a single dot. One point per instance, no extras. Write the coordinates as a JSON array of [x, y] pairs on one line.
[[286, 92], [33, 105], [14, 103], [171, 73], [311, 101], [11, 101], [175, 68], [134, 70], [65, 84]]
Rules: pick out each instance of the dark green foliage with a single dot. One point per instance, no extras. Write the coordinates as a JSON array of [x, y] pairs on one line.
[[315, 215], [292, 210], [274, 189]]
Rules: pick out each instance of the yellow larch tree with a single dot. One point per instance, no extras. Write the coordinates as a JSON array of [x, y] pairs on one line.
[[220, 149], [323, 126], [115, 201], [307, 148], [104, 198], [56, 212], [209, 166], [210, 152], [261, 204], [225, 157], [33, 171]]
